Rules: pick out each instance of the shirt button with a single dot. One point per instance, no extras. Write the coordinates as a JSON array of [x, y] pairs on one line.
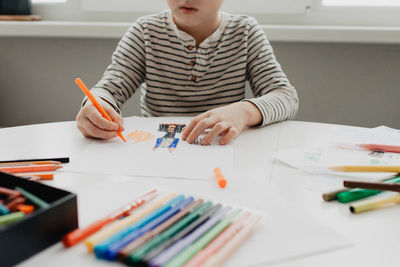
[[191, 63], [190, 47], [193, 78]]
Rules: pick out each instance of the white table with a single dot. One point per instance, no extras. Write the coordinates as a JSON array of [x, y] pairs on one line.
[[373, 238]]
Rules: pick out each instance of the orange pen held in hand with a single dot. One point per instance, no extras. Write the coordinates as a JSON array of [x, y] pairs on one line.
[[81, 85], [220, 178]]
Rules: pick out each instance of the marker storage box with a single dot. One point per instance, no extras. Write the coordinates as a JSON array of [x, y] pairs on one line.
[[41, 229]]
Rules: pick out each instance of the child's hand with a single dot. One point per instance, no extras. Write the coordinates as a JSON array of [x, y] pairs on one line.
[[227, 121], [92, 124]]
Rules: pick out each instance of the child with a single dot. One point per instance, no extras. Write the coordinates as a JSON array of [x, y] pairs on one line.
[[193, 60]]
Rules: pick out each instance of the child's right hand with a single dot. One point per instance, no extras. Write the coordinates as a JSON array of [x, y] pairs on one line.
[[92, 124]]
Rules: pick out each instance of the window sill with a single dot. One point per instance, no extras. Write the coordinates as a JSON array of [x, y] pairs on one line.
[[284, 33]]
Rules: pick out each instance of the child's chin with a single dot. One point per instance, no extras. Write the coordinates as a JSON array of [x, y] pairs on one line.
[[187, 21]]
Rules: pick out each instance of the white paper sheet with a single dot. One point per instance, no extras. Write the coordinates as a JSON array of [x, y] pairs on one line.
[[319, 159], [119, 158], [357, 135]]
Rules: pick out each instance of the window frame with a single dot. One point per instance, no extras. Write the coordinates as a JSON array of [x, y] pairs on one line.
[[321, 14], [45, 2], [276, 6], [316, 15], [362, 5]]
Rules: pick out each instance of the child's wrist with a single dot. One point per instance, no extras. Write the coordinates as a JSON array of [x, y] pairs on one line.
[[252, 113]]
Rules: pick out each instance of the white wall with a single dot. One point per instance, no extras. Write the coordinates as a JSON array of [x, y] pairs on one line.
[[355, 84]]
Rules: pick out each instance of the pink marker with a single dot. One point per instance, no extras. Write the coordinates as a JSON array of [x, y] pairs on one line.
[[218, 242], [379, 147], [218, 258]]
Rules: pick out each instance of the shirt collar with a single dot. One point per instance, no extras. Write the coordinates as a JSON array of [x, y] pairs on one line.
[[215, 36]]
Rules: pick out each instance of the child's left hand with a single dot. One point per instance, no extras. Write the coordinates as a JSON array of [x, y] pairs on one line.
[[227, 121]]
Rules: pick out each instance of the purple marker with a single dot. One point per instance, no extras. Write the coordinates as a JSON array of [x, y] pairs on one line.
[[176, 248]]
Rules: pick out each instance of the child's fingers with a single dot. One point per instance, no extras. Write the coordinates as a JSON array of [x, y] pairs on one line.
[[91, 130], [200, 127], [218, 129], [232, 133], [97, 119], [88, 129], [188, 128], [115, 116]]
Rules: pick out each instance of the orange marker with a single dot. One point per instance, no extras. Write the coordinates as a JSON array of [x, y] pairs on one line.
[[26, 208], [79, 82], [220, 178], [45, 176], [30, 168], [78, 235]]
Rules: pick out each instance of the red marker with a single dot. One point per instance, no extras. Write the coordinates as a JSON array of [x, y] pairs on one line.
[[78, 235], [383, 148]]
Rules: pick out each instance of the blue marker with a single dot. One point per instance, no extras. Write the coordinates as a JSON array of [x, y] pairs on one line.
[[113, 249], [101, 249], [3, 210]]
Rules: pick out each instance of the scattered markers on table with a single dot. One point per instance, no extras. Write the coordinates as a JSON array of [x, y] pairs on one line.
[[171, 229], [365, 196], [16, 204], [33, 169]]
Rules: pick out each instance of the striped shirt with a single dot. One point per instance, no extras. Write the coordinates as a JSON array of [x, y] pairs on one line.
[[176, 78]]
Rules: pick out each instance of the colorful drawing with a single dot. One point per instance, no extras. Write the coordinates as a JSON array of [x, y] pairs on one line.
[[139, 136], [169, 140], [198, 141]]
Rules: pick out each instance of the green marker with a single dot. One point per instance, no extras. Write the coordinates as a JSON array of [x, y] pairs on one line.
[[138, 254], [358, 193], [32, 198], [12, 217], [194, 248], [208, 213]]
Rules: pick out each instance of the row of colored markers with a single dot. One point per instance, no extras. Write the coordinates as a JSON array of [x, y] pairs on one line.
[[33, 169], [169, 230]]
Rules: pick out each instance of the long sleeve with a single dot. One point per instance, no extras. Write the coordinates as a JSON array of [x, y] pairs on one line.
[[127, 70], [275, 97]]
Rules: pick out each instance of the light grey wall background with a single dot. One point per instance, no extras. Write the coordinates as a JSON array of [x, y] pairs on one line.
[[353, 84]]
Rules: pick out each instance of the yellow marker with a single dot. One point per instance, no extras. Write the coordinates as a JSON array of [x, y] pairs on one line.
[[111, 229], [367, 168], [371, 204]]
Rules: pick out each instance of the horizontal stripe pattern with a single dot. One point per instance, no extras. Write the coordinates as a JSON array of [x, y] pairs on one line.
[[177, 79]]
